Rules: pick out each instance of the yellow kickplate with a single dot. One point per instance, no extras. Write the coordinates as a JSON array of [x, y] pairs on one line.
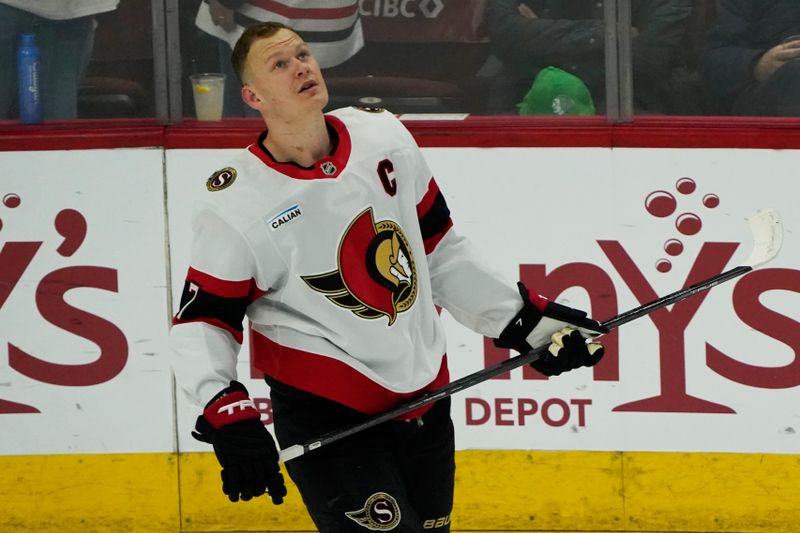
[[131, 493], [601, 492]]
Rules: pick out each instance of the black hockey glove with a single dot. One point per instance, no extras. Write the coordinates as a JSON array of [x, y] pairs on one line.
[[244, 447], [565, 328]]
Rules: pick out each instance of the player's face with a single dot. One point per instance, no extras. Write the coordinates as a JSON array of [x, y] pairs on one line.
[[282, 77]]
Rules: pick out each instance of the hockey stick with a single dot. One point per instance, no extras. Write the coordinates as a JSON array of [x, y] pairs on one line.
[[767, 230]]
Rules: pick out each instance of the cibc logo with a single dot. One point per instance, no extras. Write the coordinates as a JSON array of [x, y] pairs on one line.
[[686, 208], [51, 302], [401, 8]]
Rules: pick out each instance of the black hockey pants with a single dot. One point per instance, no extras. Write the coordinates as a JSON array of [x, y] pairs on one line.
[[397, 476]]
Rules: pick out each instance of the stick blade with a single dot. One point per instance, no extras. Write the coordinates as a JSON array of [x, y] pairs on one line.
[[767, 228]]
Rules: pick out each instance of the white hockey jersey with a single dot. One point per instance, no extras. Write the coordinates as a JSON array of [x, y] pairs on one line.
[[338, 267]]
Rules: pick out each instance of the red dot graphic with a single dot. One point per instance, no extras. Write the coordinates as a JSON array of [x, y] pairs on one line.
[[686, 185], [663, 265], [660, 204], [11, 200], [688, 223], [711, 201], [673, 247]]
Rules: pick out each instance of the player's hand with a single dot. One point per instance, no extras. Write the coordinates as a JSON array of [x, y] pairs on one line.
[[775, 58], [565, 328], [243, 446], [568, 350]]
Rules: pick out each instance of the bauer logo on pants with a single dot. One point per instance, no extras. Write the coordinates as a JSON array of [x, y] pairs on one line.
[[380, 513]]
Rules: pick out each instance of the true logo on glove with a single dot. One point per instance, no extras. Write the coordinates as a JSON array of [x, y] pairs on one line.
[[231, 407]]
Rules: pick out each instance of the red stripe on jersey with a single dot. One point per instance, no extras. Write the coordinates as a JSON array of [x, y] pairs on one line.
[[431, 242], [321, 13], [237, 335], [333, 379], [328, 167], [226, 288], [425, 204]]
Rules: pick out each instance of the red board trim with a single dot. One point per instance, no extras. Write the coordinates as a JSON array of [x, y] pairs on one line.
[[478, 131]]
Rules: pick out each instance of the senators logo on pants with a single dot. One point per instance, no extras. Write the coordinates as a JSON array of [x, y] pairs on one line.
[[376, 275], [380, 513]]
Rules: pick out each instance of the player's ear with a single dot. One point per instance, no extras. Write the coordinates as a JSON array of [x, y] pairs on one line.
[[251, 98]]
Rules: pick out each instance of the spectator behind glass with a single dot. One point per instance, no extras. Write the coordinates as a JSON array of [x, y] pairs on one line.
[[333, 32], [529, 35], [746, 66], [64, 34]]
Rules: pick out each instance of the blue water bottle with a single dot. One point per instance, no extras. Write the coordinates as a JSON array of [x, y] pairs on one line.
[[30, 103]]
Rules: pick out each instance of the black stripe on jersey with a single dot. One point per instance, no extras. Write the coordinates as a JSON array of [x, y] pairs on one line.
[[197, 304], [436, 219], [346, 300], [369, 313], [329, 283], [310, 37]]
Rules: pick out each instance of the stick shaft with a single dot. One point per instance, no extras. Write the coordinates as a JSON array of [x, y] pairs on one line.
[[677, 296], [505, 366]]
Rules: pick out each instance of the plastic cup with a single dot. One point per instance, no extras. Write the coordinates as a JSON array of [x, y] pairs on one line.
[[209, 90]]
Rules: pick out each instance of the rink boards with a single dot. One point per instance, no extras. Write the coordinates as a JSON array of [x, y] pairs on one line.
[[690, 423]]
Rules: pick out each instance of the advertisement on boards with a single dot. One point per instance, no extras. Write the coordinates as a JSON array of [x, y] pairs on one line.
[[83, 307], [85, 301], [608, 230]]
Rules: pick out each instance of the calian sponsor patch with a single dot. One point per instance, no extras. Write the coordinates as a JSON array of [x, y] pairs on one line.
[[290, 214]]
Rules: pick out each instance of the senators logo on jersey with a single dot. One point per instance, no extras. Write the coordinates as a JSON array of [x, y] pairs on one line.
[[376, 275]]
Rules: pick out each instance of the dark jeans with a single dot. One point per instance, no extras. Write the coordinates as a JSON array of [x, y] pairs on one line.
[[778, 96], [65, 47], [397, 476]]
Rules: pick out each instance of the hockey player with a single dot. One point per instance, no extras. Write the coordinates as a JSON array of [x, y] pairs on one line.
[[330, 234]]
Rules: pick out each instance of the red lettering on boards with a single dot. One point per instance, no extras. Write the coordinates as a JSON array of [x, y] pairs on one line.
[[264, 406], [671, 324], [554, 412], [15, 258]]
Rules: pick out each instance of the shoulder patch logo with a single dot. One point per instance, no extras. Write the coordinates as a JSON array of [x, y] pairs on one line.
[[221, 179], [380, 513], [376, 275]]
